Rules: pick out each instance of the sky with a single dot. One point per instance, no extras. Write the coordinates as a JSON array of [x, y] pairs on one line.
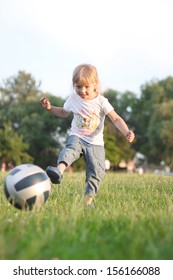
[[129, 41]]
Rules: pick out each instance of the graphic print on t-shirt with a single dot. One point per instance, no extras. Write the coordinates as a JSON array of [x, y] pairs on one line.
[[87, 124]]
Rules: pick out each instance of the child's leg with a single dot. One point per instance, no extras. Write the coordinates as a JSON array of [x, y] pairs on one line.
[[89, 200], [67, 156], [62, 167], [70, 153], [95, 170]]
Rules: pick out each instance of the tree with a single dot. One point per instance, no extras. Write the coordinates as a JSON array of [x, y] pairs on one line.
[[12, 147], [160, 133], [19, 88], [152, 117], [41, 131]]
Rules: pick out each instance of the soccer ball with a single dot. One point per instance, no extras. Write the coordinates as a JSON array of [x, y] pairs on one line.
[[27, 187]]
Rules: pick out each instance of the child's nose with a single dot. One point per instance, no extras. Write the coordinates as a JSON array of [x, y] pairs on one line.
[[83, 89]]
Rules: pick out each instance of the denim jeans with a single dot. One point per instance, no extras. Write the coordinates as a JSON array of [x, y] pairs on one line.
[[94, 156]]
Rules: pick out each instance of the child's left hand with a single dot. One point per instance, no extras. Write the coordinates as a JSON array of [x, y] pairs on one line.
[[130, 136]]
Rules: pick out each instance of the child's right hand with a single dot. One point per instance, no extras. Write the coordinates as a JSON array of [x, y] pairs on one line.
[[45, 103]]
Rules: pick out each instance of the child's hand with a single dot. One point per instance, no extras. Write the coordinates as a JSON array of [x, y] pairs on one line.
[[45, 103], [130, 136]]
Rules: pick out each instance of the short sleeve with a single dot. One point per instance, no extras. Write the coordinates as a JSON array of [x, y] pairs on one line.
[[106, 106], [67, 104]]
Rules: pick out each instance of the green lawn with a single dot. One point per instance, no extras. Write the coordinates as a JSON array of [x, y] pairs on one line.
[[132, 219]]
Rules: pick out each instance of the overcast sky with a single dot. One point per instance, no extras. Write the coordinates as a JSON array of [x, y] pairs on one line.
[[129, 41]]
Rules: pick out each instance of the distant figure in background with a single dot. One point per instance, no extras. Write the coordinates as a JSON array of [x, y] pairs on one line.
[[3, 167], [10, 165], [107, 165], [89, 109], [130, 166], [140, 170]]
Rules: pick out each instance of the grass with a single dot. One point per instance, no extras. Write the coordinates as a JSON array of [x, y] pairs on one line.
[[132, 220]]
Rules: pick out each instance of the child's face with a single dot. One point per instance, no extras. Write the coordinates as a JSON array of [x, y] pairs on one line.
[[86, 92]]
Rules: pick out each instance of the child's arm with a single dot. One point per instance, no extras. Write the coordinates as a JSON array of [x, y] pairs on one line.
[[56, 111], [121, 125]]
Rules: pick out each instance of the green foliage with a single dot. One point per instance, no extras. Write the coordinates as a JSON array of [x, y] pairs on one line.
[[116, 146], [154, 119], [123, 103], [12, 147], [113, 153], [160, 132], [126, 205], [19, 88]]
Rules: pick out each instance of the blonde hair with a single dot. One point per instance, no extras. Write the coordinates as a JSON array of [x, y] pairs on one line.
[[86, 74]]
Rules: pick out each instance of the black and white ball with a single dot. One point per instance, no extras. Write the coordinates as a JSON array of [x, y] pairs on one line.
[[27, 187]]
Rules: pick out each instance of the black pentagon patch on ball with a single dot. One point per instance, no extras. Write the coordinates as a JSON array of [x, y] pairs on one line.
[[30, 202], [14, 171], [10, 198], [6, 191], [17, 205], [46, 195], [30, 181]]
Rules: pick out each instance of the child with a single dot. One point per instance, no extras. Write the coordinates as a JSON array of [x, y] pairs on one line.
[[89, 108]]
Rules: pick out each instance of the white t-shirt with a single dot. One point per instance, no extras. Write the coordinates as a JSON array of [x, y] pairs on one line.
[[88, 117]]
